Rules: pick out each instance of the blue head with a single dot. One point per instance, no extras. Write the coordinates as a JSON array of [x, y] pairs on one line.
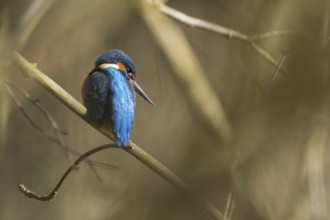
[[115, 57], [125, 64]]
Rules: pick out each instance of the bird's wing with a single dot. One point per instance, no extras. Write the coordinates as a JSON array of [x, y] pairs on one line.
[[95, 94]]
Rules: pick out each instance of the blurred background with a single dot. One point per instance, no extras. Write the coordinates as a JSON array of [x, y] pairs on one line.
[[273, 166]]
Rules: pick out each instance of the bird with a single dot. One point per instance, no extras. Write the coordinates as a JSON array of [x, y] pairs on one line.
[[108, 94]]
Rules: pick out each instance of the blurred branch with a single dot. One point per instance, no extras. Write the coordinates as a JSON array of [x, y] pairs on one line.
[[10, 89], [31, 71], [31, 18], [11, 37], [188, 71], [223, 31], [53, 193], [4, 45], [15, 35], [315, 166], [229, 207], [276, 71], [58, 139], [272, 34], [319, 138]]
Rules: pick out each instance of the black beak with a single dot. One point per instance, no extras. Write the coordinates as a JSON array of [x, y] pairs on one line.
[[140, 91]]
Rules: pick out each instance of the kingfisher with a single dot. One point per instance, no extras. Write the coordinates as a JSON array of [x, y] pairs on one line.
[[108, 94]]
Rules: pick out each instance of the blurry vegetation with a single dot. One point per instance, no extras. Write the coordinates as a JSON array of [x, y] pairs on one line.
[[244, 123]]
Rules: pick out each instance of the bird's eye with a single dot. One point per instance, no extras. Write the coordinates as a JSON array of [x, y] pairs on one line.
[[131, 75]]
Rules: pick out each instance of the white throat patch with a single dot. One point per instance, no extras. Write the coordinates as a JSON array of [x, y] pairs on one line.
[[108, 65]]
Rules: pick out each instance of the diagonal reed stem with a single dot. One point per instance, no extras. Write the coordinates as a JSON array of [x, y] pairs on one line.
[[31, 71]]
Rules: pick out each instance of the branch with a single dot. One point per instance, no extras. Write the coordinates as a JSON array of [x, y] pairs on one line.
[[30, 70], [202, 24], [225, 32]]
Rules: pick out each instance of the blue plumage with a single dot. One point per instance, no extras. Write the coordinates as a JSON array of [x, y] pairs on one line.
[[121, 102], [108, 94]]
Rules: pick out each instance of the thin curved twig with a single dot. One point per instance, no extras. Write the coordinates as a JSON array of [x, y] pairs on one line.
[[53, 193], [75, 106]]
